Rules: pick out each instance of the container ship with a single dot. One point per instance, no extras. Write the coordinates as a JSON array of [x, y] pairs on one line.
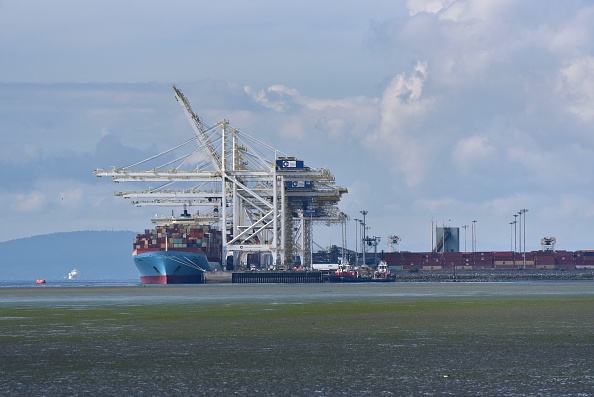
[[177, 251]]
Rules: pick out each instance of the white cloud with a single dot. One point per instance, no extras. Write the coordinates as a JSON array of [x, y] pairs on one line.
[[282, 98], [459, 10], [19, 154], [292, 129], [401, 108], [473, 151], [389, 125], [430, 6], [576, 86], [336, 127], [299, 117], [572, 205], [33, 202], [572, 36], [471, 10]]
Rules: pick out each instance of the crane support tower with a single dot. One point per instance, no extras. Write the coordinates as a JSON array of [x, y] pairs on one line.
[[261, 198]]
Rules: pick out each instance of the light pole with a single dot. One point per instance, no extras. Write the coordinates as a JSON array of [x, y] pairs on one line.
[[520, 229], [357, 226], [311, 239], [473, 236], [432, 246], [523, 211], [465, 227], [511, 236], [515, 235], [363, 239]]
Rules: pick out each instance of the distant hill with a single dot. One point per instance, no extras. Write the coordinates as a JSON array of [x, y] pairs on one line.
[[98, 255]]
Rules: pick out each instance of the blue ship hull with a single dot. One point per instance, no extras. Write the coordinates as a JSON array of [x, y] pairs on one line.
[[171, 267]]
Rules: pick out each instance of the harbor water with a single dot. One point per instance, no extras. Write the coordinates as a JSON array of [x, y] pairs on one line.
[[528, 338]]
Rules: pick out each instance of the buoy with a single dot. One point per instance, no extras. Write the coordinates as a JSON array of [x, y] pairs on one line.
[[40, 281]]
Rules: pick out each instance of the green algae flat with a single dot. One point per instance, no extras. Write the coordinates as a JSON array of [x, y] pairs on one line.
[[269, 341]]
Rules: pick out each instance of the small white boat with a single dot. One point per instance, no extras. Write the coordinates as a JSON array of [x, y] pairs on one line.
[[73, 274]]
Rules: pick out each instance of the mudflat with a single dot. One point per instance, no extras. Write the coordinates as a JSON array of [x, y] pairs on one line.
[[507, 339]]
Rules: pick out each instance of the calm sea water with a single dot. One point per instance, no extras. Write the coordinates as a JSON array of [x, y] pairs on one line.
[[127, 291], [69, 283]]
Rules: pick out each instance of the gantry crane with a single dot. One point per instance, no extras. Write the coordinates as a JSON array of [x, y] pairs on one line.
[[394, 243], [262, 199]]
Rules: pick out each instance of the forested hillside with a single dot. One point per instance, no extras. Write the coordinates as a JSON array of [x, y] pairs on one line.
[[96, 254]]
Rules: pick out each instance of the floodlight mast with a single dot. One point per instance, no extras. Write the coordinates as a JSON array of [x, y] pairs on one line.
[[364, 237]]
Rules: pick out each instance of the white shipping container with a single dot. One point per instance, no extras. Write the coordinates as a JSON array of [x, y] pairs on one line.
[[325, 266]]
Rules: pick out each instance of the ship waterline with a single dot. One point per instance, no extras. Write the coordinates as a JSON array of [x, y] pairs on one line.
[[171, 267]]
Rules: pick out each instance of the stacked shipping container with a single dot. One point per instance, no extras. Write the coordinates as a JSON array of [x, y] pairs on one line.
[[490, 260], [181, 237], [584, 259]]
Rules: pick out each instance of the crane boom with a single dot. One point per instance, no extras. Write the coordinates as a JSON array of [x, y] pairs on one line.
[[213, 156]]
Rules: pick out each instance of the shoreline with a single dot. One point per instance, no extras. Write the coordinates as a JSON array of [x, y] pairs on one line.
[[486, 275], [482, 275]]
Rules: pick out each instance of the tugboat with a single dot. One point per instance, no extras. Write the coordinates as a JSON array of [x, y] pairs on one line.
[[383, 273], [345, 274]]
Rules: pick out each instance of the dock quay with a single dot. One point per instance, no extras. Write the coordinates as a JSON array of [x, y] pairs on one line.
[[494, 275], [227, 277], [266, 277], [276, 277]]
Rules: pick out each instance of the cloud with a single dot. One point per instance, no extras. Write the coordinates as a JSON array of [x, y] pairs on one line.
[[576, 86], [19, 154], [571, 35], [495, 44], [301, 118], [401, 109], [277, 97], [336, 128], [429, 6], [459, 10], [472, 152], [33, 202]]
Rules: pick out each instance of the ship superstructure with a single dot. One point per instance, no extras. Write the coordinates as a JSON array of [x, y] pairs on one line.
[[262, 200]]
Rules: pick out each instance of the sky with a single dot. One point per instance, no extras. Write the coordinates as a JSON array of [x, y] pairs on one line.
[[438, 112]]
